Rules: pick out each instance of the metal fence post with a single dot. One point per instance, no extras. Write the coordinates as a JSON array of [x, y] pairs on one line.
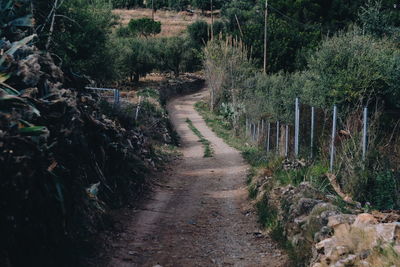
[[138, 108], [297, 126], [268, 136], [277, 137], [365, 133], [287, 141], [262, 128], [258, 131], [247, 127], [312, 132], [253, 132], [116, 97], [333, 138]]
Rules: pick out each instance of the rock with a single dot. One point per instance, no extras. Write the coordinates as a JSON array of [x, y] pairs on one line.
[[324, 216], [327, 245], [397, 249], [348, 261], [337, 252], [364, 263], [324, 233], [388, 232], [364, 219], [304, 206], [340, 219]]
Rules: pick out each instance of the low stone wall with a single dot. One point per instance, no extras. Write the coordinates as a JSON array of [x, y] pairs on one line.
[[323, 231]]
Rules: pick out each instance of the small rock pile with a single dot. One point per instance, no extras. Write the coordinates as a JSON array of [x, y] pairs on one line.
[[320, 233], [359, 240], [288, 164]]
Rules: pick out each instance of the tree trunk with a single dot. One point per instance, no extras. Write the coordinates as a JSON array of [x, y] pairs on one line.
[[136, 78]]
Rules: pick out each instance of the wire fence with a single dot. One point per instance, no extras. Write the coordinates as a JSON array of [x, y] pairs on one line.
[[113, 96], [301, 137]]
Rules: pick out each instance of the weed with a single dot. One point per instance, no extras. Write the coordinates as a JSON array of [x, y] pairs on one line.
[[208, 151], [267, 214]]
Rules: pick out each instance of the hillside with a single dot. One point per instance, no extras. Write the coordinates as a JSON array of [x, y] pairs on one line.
[[173, 23]]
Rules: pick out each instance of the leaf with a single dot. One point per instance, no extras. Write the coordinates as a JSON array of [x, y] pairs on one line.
[[24, 123], [15, 46], [52, 166], [10, 101], [8, 89], [26, 21], [33, 130], [4, 77]]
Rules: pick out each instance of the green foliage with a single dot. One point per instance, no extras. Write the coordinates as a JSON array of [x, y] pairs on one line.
[[352, 68], [14, 19], [199, 32], [127, 3], [80, 37], [134, 58], [144, 27], [176, 54], [383, 193]]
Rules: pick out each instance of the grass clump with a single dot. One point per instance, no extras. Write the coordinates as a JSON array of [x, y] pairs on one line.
[[254, 155], [208, 151]]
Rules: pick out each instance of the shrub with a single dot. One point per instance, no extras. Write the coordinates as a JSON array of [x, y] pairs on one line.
[[144, 27], [352, 68], [80, 36], [199, 32]]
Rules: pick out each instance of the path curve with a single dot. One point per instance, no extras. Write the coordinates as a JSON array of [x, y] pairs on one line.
[[201, 216]]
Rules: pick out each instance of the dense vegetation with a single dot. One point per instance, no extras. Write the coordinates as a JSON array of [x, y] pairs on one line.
[[66, 156], [353, 68]]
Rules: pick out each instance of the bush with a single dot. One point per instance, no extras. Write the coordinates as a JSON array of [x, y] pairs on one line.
[[134, 57], [351, 68], [199, 32], [176, 54], [80, 37], [144, 27]]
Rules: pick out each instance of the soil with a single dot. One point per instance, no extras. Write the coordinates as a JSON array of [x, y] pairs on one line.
[[200, 214]]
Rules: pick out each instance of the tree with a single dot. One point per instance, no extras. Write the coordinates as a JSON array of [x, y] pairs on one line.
[[80, 35], [134, 57], [175, 53], [199, 32], [144, 27]]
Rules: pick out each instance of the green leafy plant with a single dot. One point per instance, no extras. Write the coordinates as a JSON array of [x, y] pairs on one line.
[[144, 27]]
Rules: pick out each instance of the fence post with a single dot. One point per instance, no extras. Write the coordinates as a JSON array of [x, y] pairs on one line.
[[138, 108], [254, 132], [251, 131], [277, 137], [116, 97], [365, 133], [262, 128], [258, 132], [247, 127], [333, 138], [297, 126], [312, 132], [287, 141], [268, 136]]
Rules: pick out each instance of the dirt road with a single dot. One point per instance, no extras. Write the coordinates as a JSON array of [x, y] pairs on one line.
[[201, 215]]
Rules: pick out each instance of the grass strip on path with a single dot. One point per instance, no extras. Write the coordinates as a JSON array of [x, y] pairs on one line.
[[208, 151]]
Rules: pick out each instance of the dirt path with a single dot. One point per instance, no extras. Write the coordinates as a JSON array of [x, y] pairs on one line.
[[201, 216]]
